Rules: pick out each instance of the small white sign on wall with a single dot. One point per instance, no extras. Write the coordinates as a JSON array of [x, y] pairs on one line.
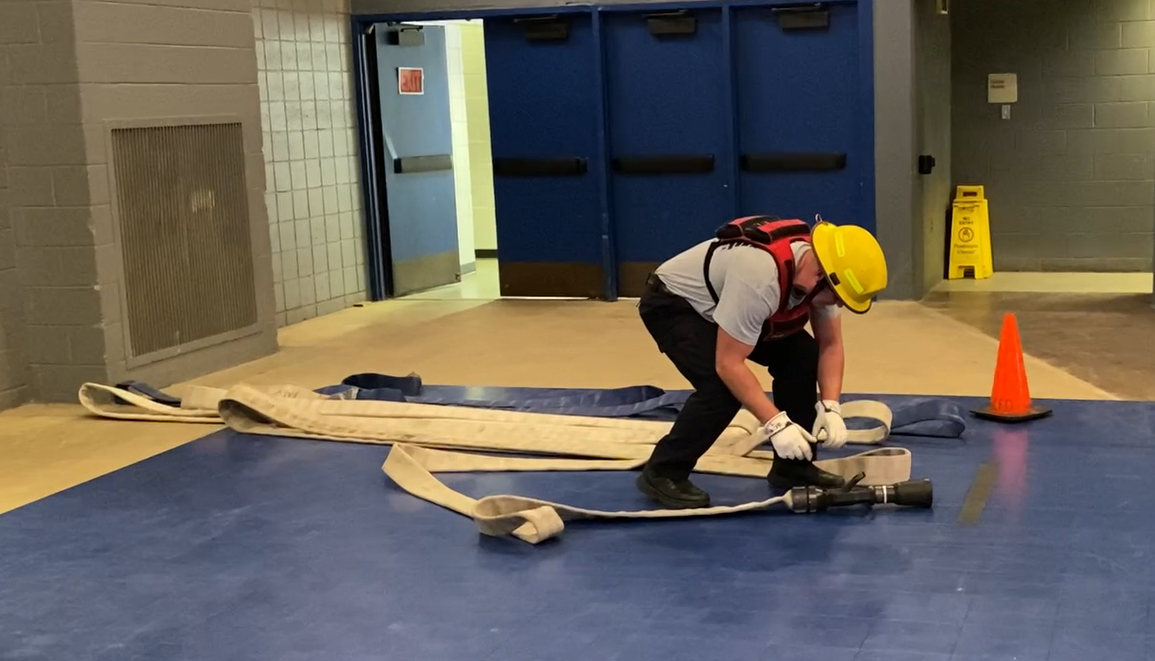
[[1002, 88], [410, 81]]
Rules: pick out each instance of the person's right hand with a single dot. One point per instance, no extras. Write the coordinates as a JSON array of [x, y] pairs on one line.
[[790, 441]]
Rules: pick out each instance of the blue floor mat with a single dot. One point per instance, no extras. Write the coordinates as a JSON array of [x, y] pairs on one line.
[[244, 548]]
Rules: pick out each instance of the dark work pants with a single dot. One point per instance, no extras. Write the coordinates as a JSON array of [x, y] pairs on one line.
[[689, 341]]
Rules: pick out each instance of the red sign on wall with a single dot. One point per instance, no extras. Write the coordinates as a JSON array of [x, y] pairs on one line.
[[410, 80]]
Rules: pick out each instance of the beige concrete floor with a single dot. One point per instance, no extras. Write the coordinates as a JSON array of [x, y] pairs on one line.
[[906, 348]]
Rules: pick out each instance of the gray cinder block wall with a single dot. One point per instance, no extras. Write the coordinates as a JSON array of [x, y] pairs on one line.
[[13, 355], [47, 297], [69, 67], [143, 62], [13, 359], [1070, 174]]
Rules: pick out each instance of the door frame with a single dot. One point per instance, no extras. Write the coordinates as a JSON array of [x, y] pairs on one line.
[[366, 96], [371, 154]]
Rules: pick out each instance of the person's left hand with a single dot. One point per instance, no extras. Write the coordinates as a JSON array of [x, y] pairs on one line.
[[830, 421]]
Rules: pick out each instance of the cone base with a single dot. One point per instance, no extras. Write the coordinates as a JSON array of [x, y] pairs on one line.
[[1033, 413]]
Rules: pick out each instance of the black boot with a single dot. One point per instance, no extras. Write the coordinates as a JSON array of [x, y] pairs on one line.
[[672, 494], [786, 474]]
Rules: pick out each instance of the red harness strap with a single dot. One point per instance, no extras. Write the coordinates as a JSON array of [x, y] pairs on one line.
[[777, 237]]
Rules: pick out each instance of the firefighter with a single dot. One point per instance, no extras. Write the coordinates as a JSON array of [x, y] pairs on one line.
[[748, 294]]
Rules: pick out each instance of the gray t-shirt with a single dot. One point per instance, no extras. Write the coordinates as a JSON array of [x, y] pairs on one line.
[[746, 280]]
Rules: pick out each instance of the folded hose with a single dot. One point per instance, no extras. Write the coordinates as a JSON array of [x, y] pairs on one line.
[[430, 438]]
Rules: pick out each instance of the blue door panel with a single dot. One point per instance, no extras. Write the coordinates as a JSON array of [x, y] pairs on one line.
[[422, 205], [544, 130], [667, 99], [799, 106]]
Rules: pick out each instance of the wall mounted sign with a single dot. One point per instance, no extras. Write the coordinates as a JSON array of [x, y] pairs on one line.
[[410, 80]]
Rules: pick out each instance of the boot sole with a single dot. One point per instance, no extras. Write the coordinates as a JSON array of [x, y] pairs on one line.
[[670, 503]]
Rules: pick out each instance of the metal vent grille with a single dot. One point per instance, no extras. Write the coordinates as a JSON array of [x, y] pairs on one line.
[[183, 218]]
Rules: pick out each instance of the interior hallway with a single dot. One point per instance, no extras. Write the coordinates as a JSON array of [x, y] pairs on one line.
[[900, 348]]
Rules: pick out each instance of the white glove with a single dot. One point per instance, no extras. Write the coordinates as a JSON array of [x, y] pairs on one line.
[[830, 421], [790, 441]]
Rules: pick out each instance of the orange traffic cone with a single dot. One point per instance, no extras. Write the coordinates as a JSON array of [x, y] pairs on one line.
[[1010, 394]]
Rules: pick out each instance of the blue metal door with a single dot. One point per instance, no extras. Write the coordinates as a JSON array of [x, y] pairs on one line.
[[670, 134], [418, 144], [546, 132], [800, 106]]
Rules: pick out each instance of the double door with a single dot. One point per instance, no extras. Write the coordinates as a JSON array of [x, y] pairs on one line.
[[621, 137]]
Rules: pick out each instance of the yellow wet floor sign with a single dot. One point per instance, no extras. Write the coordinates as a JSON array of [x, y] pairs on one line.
[[970, 244]]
